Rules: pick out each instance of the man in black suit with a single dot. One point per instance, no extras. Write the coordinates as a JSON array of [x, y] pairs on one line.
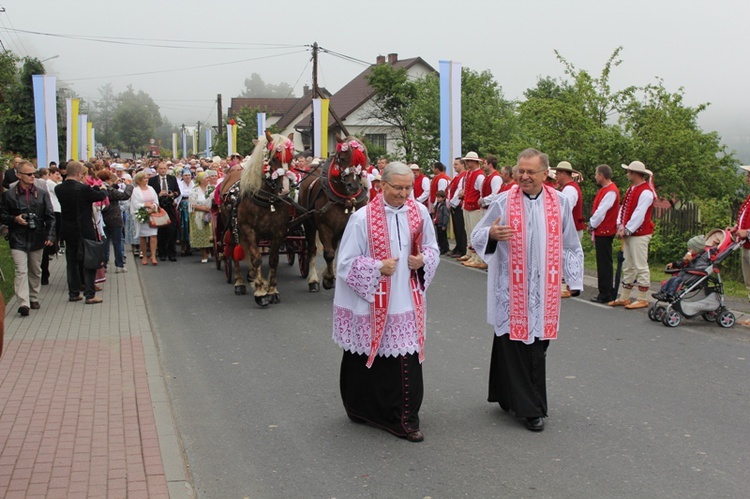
[[167, 188], [11, 174], [76, 199]]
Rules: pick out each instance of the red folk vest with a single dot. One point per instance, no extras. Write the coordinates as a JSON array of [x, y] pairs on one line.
[[453, 186], [487, 184], [434, 185], [471, 193], [578, 220], [418, 191], [507, 186], [743, 219], [608, 226], [631, 201]]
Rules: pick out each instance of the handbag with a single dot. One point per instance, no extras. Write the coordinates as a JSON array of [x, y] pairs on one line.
[[159, 219], [93, 253]]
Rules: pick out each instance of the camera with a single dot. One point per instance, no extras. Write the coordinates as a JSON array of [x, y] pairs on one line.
[[30, 219]]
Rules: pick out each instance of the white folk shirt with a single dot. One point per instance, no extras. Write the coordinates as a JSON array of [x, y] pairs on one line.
[[606, 204], [639, 214], [498, 281], [358, 276]]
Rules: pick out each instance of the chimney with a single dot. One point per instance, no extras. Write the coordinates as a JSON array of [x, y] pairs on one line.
[[392, 58], [380, 59], [305, 89]]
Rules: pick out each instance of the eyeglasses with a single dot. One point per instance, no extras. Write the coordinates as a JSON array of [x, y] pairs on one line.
[[521, 173], [400, 188]]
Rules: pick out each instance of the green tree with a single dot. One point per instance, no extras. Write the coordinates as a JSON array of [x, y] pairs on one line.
[[256, 87], [17, 128], [104, 113], [135, 119], [247, 131]]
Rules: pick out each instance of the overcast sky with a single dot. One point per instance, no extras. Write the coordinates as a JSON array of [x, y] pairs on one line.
[[699, 45]]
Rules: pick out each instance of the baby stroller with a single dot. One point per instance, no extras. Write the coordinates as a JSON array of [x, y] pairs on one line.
[[701, 291]]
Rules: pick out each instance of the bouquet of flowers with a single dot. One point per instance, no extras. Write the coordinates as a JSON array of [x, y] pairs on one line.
[[210, 190], [143, 215]]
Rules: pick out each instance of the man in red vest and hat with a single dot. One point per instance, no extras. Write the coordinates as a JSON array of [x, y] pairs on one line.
[[635, 227], [421, 184], [570, 189], [603, 225], [472, 192]]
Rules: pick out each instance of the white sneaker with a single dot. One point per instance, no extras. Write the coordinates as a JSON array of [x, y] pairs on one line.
[[123, 269]]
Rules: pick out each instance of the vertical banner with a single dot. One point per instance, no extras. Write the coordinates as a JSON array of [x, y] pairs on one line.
[[317, 126], [195, 141], [450, 113], [234, 137], [92, 141], [208, 142], [89, 140], [230, 138], [324, 127], [39, 121], [261, 125], [74, 135], [184, 143], [68, 129], [83, 119], [174, 145]]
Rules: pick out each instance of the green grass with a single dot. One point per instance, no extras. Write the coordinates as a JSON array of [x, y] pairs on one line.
[[6, 263]]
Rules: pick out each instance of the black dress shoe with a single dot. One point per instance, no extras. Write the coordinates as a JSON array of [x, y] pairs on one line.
[[35, 305], [598, 299], [163, 258], [75, 298], [534, 424], [415, 436], [23, 310], [172, 258]]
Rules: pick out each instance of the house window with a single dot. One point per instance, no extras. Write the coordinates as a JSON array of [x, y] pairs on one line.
[[376, 139]]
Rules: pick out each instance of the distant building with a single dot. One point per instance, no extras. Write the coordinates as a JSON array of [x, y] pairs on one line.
[[352, 104]]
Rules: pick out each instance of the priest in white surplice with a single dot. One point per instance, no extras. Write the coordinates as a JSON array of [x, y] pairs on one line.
[[387, 259], [530, 242]]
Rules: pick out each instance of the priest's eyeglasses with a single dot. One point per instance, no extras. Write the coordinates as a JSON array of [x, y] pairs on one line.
[[530, 173], [400, 188]]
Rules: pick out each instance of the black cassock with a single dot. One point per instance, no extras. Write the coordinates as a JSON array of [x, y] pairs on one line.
[[387, 395], [518, 376]]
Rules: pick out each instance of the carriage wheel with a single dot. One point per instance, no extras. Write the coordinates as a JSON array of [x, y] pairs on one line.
[[228, 263], [304, 264], [672, 318], [725, 319], [710, 316]]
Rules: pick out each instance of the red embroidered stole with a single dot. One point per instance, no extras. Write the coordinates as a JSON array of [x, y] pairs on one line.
[[518, 268], [380, 249]]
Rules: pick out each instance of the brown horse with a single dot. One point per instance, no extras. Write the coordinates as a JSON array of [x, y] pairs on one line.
[[332, 195], [233, 252], [263, 210]]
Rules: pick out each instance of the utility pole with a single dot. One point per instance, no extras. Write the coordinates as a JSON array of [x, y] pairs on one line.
[[197, 139], [316, 94], [220, 126]]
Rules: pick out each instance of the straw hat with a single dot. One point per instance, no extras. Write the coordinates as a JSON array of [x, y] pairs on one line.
[[471, 156], [564, 166], [746, 168], [638, 167]]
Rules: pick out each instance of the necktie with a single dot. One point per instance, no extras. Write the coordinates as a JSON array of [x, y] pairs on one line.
[[164, 183]]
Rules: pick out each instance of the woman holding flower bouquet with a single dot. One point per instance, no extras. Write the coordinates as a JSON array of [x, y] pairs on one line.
[[200, 216], [143, 202]]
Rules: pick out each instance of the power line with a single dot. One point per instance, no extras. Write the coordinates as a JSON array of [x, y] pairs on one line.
[[187, 68]]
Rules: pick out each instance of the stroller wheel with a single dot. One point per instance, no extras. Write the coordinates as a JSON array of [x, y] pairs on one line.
[[671, 318], [656, 312], [709, 316], [725, 319]]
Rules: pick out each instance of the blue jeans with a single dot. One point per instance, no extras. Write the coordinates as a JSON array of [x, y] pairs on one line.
[[115, 235]]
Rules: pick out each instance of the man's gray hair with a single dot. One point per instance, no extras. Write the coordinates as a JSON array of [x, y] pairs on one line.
[[530, 153], [605, 171], [395, 168]]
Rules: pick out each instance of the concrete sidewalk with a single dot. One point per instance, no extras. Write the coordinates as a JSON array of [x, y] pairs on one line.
[[85, 411]]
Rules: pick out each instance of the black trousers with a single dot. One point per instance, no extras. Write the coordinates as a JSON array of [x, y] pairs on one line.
[[75, 271], [459, 230], [604, 267], [518, 376], [166, 237], [442, 239]]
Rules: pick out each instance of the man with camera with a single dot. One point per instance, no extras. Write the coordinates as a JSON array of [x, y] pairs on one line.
[[27, 211]]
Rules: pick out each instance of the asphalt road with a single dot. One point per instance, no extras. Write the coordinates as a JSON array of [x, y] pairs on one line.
[[636, 409]]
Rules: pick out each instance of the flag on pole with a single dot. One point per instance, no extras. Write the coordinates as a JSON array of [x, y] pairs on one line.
[[89, 140], [45, 119], [68, 129], [208, 143], [74, 136], [83, 137], [320, 127], [450, 113], [261, 125], [234, 137], [174, 145], [195, 141]]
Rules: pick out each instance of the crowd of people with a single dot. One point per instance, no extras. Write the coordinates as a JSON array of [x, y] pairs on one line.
[[522, 223]]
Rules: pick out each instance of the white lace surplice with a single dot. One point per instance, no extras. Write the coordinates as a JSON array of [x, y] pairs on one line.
[[498, 291], [357, 278]]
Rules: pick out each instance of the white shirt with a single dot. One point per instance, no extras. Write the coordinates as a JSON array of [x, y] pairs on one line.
[[645, 200], [606, 204]]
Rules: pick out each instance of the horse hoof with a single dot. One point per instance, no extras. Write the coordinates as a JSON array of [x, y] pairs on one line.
[[263, 301], [240, 290], [275, 298], [314, 287], [328, 284]]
